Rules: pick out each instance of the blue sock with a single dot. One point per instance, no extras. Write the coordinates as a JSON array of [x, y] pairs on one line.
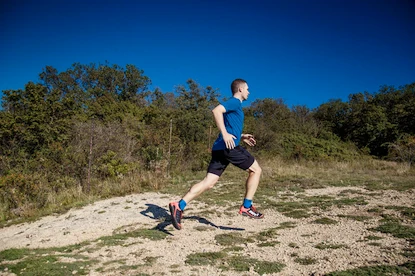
[[182, 204], [247, 203]]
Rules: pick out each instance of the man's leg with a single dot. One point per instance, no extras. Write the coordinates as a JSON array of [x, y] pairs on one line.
[[253, 180], [207, 183], [251, 187], [175, 207]]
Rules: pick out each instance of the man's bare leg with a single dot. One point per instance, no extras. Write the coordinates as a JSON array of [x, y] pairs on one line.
[[253, 180], [196, 190]]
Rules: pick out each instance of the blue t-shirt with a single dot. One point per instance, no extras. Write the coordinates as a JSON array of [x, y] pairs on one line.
[[234, 122]]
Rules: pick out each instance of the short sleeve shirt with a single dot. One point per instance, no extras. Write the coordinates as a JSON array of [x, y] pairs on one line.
[[234, 122]]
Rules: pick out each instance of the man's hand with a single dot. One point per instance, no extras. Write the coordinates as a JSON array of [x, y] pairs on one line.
[[248, 139], [229, 140]]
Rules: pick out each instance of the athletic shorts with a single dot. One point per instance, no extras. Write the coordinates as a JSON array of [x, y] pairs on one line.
[[238, 156]]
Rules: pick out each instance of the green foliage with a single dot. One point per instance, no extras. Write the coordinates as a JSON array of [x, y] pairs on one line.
[[91, 123], [237, 263], [205, 258], [300, 146], [110, 165], [22, 192], [231, 239], [372, 121], [403, 149], [45, 261]]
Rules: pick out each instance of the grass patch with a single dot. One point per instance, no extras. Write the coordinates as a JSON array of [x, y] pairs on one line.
[[350, 201], [237, 263], [356, 218], [267, 234], [381, 270], [268, 244], [301, 209], [378, 244], [397, 230], [204, 258], [202, 228], [325, 221], [232, 239], [120, 238], [45, 261], [297, 214], [20, 253], [324, 246], [234, 249], [305, 261], [287, 225], [373, 238], [406, 212]]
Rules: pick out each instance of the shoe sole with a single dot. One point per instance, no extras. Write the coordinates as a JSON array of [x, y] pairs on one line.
[[175, 224], [245, 215]]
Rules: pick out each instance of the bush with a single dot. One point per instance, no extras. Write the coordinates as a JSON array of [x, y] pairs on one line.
[[300, 146]]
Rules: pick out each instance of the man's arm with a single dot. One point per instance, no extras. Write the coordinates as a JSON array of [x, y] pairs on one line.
[[220, 123]]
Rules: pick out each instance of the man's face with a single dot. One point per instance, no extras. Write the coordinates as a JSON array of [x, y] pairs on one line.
[[244, 91]]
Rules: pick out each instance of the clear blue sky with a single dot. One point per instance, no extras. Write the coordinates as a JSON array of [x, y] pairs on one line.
[[303, 51]]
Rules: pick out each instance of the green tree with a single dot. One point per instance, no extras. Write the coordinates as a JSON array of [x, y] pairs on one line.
[[333, 116]]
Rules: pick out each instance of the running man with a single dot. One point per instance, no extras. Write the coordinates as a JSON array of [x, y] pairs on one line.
[[229, 118]]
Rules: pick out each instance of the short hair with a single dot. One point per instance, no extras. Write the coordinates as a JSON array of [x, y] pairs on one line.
[[236, 84]]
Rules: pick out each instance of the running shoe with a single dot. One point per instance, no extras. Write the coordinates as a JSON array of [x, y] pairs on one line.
[[250, 212], [176, 215]]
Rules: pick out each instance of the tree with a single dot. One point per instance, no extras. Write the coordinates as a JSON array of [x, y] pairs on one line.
[[333, 115]]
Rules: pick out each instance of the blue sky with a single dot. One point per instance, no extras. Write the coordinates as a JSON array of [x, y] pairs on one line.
[[303, 51]]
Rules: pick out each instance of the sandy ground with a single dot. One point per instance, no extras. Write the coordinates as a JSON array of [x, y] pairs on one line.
[[149, 210]]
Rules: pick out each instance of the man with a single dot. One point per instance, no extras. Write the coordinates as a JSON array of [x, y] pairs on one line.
[[229, 118]]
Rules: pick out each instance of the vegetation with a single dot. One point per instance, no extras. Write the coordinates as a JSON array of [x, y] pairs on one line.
[[237, 263], [96, 131]]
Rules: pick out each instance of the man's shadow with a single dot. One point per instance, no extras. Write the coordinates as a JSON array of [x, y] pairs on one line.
[[159, 213]]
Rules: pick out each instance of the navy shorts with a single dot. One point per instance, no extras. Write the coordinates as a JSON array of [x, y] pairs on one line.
[[238, 156]]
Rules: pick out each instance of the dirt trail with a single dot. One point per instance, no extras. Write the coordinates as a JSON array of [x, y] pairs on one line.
[[149, 210]]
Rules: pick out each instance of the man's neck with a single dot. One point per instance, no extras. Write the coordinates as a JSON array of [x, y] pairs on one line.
[[238, 96]]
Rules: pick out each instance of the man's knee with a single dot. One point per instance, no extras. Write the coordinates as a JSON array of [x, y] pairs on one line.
[[210, 180], [255, 168]]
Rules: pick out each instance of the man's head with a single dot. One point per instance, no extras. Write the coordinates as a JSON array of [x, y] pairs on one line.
[[239, 89]]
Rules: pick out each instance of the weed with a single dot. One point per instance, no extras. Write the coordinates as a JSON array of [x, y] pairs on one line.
[[373, 238], [324, 246], [233, 249], [44, 262], [305, 261], [120, 238], [268, 244], [202, 228], [350, 201], [204, 258], [381, 270], [239, 263], [325, 221], [408, 253], [406, 212], [356, 218], [232, 239], [297, 214], [287, 225], [397, 230], [267, 234]]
